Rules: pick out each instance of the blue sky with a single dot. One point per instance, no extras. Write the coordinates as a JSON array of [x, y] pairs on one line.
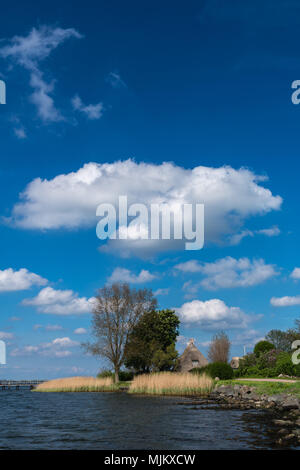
[[99, 96]]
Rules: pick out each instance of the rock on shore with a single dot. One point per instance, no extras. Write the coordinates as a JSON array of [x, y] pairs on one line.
[[285, 406]]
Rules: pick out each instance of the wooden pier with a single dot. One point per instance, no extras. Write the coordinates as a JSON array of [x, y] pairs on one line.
[[19, 384]]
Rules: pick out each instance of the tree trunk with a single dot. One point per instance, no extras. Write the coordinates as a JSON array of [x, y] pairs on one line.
[[116, 375]]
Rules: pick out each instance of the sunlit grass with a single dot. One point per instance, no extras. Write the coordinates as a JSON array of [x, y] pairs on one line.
[[268, 388], [171, 383], [78, 384]]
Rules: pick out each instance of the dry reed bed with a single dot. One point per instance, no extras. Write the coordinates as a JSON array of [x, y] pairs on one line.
[[170, 383], [78, 384]]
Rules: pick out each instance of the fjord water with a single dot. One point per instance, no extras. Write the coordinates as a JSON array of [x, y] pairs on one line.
[[32, 420]]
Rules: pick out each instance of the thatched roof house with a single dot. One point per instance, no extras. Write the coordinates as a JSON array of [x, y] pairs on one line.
[[191, 358]]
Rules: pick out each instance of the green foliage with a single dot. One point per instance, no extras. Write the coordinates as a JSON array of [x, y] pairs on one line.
[[199, 370], [165, 360], [262, 347], [104, 374], [124, 375], [215, 369], [297, 370], [221, 370], [284, 364], [151, 344]]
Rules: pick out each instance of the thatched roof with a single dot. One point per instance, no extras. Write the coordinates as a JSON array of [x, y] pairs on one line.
[[191, 358]]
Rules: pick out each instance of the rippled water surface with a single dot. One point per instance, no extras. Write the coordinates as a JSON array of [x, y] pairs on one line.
[[120, 421]]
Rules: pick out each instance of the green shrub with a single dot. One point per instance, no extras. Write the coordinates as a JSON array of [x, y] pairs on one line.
[[215, 369], [297, 370], [262, 347], [220, 369], [104, 374], [268, 359], [125, 376], [284, 364], [199, 370]]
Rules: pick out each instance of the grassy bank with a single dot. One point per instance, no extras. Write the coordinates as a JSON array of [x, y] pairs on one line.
[[268, 388], [170, 383], [78, 384]]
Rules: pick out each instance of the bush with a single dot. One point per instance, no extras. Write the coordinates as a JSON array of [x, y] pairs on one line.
[[125, 376], [215, 369], [297, 370], [220, 369], [284, 364], [104, 374], [268, 359], [199, 370], [262, 347]]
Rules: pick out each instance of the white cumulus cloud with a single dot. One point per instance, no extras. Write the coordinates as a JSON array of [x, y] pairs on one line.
[[70, 200], [295, 274], [80, 331], [60, 302], [286, 301], [212, 315], [229, 272], [11, 280]]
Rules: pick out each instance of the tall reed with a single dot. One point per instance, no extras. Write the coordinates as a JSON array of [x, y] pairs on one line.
[[171, 383], [78, 384]]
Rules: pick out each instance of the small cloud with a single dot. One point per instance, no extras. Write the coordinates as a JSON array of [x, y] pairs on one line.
[[11, 280], [80, 331], [60, 302], [161, 292], [91, 111], [4, 335], [268, 232], [125, 275], [115, 80], [53, 328], [295, 274], [55, 348], [20, 133], [286, 301]]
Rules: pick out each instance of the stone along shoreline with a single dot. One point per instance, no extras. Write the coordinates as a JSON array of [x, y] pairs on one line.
[[284, 408]]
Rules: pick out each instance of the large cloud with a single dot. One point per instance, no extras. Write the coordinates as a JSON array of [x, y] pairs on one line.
[[229, 272], [70, 200], [60, 302], [11, 280], [213, 314]]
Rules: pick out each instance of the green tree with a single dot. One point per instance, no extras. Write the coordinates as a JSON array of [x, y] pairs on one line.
[[151, 343], [283, 340], [262, 347]]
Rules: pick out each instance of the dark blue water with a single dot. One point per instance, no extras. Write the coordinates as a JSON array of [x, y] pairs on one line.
[[32, 420]]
